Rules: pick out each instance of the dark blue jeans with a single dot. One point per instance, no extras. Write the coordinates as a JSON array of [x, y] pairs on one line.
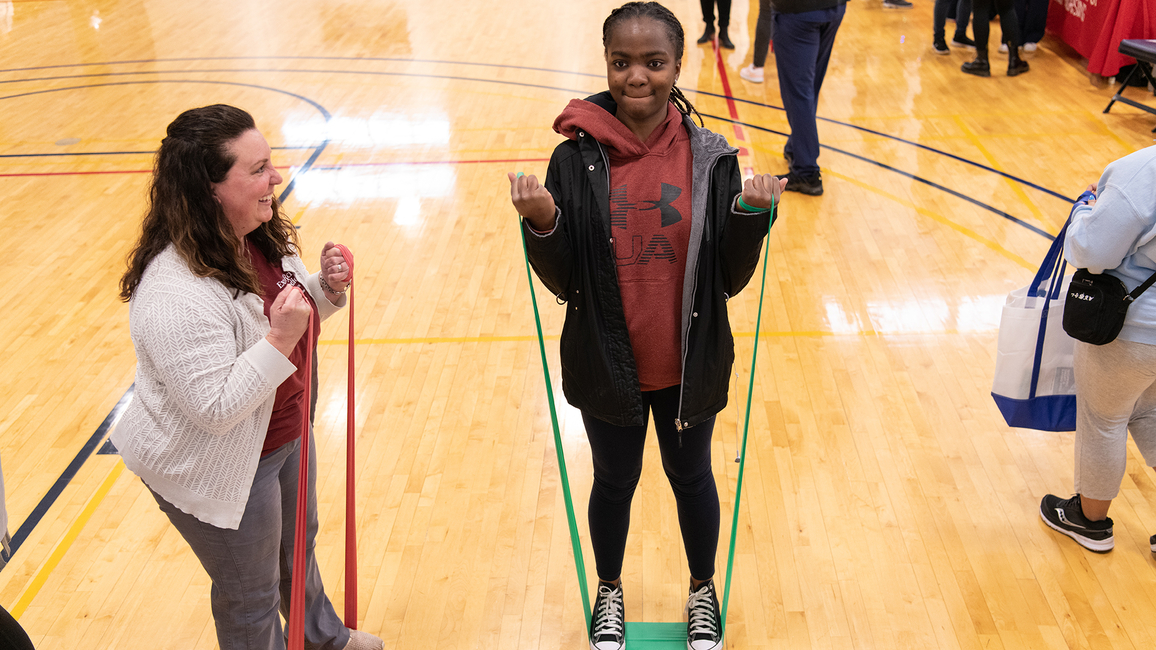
[[803, 44], [617, 456], [250, 566]]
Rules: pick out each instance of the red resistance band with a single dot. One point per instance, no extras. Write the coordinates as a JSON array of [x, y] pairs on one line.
[[297, 595]]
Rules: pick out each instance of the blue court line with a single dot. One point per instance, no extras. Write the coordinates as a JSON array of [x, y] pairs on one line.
[[498, 65], [65, 478], [955, 193], [57, 488], [930, 183], [69, 473], [387, 59], [110, 153], [303, 169], [904, 141]]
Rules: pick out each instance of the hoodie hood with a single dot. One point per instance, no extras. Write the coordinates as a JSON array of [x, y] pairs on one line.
[[596, 115]]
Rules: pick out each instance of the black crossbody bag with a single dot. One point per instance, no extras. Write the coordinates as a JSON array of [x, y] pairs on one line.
[[1096, 306]]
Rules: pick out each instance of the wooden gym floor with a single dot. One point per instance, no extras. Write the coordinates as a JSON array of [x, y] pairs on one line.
[[885, 503]]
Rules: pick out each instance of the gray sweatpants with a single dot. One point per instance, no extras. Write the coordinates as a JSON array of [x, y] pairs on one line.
[[1115, 393], [250, 566]]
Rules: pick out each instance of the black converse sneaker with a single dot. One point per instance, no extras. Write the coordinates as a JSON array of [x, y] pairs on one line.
[[1066, 516], [608, 624], [703, 620]]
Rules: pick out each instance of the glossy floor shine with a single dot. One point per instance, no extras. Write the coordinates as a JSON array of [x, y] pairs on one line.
[[885, 503]]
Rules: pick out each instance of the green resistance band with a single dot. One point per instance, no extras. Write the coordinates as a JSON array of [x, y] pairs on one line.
[[645, 636]]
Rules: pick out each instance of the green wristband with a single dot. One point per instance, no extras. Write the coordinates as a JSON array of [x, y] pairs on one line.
[[748, 208]]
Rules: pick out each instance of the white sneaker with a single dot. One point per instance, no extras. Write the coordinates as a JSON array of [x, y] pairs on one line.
[[1003, 48], [752, 74], [608, 620], [359, 640], [1030, 47], [703, 620]]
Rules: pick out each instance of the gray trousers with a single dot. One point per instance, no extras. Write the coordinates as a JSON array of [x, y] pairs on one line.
[[250, 567], [1115, 393]]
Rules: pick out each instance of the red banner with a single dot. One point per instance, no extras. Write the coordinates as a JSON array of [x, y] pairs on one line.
[[1096, 27]]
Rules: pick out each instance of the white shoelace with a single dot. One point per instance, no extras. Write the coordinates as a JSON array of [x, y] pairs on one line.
[[700, 613], [608, 618]]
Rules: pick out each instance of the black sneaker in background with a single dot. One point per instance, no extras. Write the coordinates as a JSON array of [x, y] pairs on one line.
[[810, 185], [703, 619], [608, 622], [897, 4], [1152, 543], [1067, 517], [940, 46], [961, 40]]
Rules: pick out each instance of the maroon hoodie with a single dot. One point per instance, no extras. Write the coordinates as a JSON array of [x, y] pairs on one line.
[[650, 230]]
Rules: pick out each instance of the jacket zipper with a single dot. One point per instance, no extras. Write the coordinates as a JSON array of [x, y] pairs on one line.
[[679, 423]]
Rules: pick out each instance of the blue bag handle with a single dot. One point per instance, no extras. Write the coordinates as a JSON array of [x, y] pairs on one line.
[[1052, 269]]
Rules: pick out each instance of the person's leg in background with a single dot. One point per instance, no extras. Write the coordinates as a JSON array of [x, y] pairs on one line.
[[764, 33], [1010, 36], [803, 44], [981, 28]]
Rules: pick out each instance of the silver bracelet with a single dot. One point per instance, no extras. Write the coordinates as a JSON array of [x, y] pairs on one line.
[[325, 285]]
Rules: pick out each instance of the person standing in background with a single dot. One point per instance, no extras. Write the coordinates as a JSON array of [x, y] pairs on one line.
[[939, 23], [1033, 15], [724, 19], [804, 37], [1010, 34], [764, 34]]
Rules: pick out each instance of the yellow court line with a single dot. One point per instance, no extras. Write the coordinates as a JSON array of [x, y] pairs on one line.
[[555, 337], [1110, 133], [66, 543], [991, 160], [971, 234]]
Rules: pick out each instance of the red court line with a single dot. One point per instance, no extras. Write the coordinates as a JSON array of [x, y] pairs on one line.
[[726, 84], [320, 168], [438, 162]]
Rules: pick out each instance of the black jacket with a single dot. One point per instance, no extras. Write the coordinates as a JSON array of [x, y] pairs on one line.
[[576, 262]]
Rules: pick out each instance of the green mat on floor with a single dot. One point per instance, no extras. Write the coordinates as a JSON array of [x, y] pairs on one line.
[[655, 636]]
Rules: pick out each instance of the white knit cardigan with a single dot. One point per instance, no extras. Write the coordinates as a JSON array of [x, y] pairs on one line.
[[206, 380]]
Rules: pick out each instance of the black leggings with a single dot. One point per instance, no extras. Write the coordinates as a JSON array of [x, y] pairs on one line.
[[617, 455], [724, 12], [981, 23]]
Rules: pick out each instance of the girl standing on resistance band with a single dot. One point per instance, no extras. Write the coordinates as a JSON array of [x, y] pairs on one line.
[[219, 303], [645, 229]]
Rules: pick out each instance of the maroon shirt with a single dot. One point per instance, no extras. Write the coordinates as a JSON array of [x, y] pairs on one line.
[[650, 225], [289, 408]]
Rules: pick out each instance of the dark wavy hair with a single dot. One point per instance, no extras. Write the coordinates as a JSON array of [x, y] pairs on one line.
[[182, 210], [655, 11]]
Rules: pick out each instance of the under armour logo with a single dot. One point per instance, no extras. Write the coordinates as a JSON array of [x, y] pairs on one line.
[[670, 215]]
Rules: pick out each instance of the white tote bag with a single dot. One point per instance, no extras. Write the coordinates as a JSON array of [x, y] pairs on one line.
[[1034, 386]]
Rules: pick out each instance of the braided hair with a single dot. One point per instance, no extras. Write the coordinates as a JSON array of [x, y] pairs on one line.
[[673, 28]]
